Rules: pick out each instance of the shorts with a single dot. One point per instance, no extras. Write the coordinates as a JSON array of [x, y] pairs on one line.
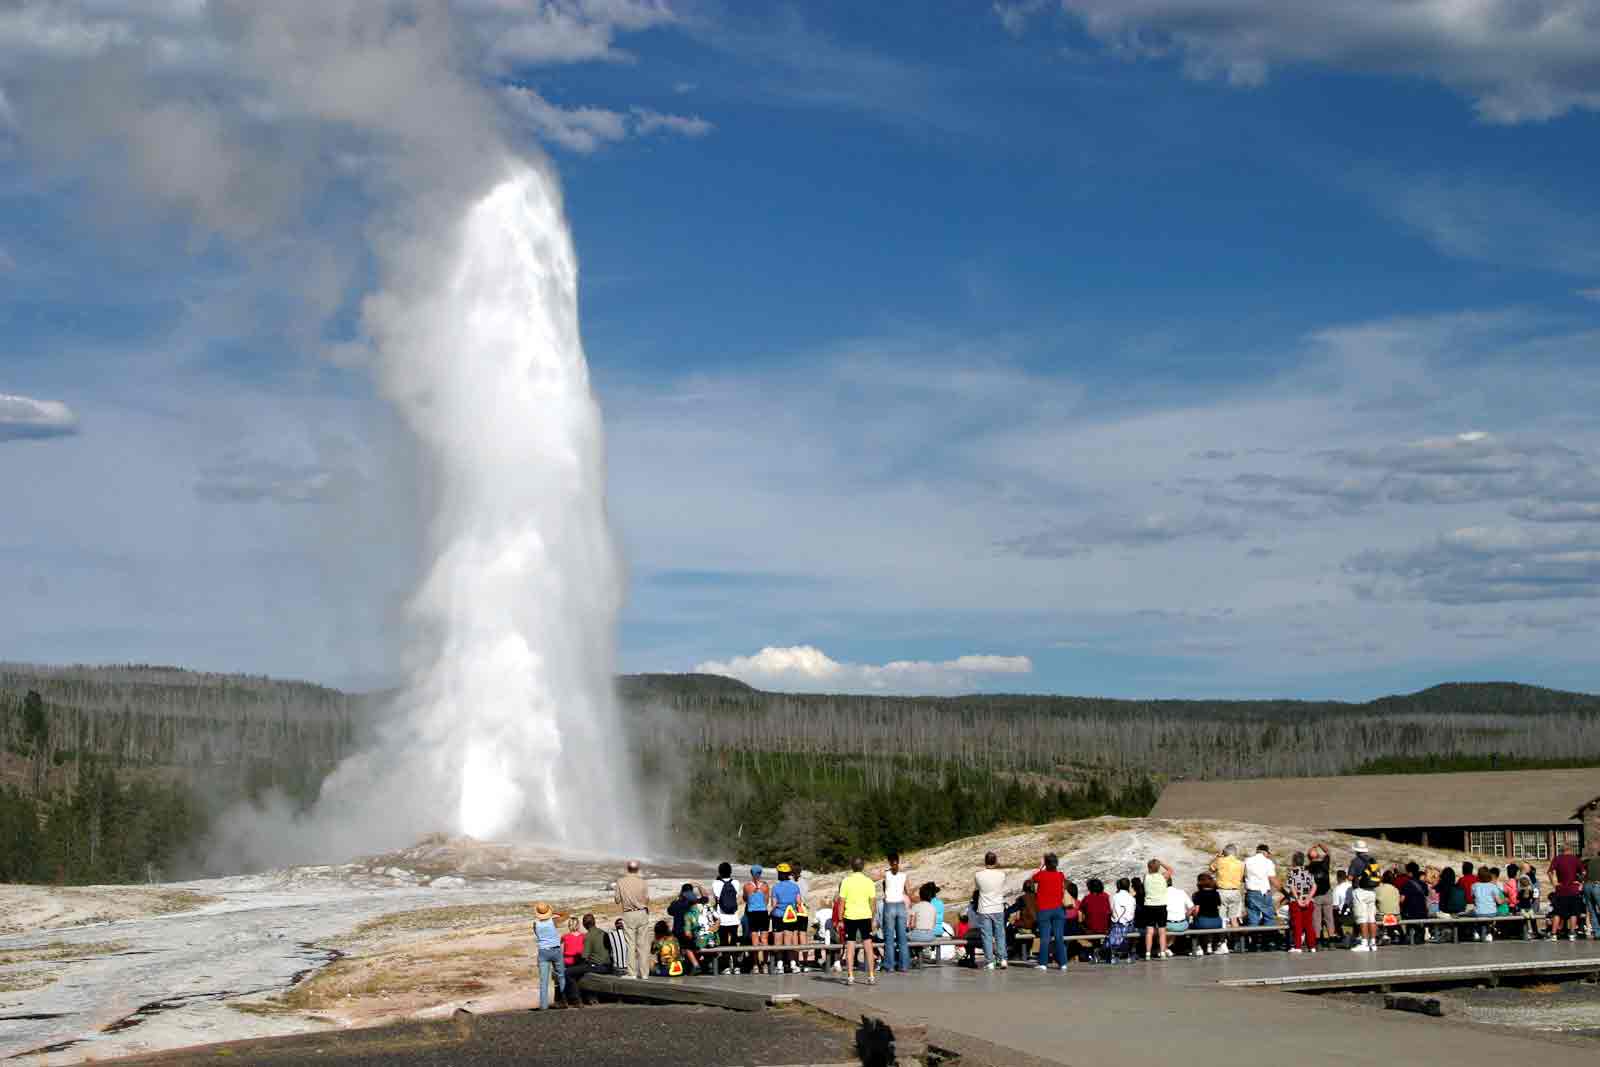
[[1232, 906], [858, 929], [1567, 907], [1208, 922], [798, 926], [760, 921], [1364, 905], [1178, 928], [1150, 916]]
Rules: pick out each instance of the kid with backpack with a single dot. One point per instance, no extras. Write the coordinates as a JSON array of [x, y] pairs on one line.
[[725, 898]]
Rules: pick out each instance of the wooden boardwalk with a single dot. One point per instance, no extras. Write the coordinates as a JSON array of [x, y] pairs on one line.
[[1209, 1010]]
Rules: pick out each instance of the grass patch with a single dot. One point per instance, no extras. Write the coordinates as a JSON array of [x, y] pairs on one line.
[[60, 950], [23, 981], [448, 917], [444, 975]]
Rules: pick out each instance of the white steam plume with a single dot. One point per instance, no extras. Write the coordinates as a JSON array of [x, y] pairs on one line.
[[253, 122], [520, 602]]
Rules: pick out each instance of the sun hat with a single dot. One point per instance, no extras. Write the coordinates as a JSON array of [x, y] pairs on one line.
[[542, 910], [1361, 846]]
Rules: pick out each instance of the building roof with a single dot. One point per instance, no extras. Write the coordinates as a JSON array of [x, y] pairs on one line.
[[1390, 801]]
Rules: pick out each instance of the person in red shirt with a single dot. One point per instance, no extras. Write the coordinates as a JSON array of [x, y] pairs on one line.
[[1566, 900], [1049, 893], [1467, 881], [1095, 911]]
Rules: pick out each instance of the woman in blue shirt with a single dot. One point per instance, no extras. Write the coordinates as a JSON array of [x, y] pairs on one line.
[[550, 960]]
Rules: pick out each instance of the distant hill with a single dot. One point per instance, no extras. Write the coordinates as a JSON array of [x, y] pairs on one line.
[[123, 765]]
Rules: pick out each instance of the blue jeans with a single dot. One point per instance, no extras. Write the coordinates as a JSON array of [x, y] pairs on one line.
[[1258, 909], [894, 939], [550, 959], [1591, 900], [1052, 930], [993, 930]]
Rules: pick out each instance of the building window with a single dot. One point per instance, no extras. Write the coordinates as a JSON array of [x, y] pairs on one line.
[[1486, 842], [1530, 844], [1567, 838]]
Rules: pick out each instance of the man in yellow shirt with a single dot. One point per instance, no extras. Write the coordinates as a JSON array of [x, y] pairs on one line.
[[857, 893], [1229, 869]]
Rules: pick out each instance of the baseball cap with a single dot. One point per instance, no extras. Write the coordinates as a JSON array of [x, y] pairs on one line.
[[784, 868]]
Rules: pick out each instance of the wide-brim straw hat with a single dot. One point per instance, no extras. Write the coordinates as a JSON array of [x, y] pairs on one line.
[[542, 910]]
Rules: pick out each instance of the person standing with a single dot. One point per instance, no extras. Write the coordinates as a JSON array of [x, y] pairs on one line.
[[1566, 874], [1364, 880], [758, 914], [551, 963], [1153, 912], [896, 950], [633, 896], [596, 947], [856, 896], [1228, 870], [789, 920], [990, 886], [1591, 889], [725, 892], [1320, 863], [1050, 893], [1260, 883], [1300, 889]]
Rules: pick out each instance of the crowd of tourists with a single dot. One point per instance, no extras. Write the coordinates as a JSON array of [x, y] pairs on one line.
[[888, 922]]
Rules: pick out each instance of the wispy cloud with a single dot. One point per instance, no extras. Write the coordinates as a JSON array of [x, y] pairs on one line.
[[22, 418], [803, 668], [585, 129], [1517, 60]]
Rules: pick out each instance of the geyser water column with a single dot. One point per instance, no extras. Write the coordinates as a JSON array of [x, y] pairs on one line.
[[512, 681]]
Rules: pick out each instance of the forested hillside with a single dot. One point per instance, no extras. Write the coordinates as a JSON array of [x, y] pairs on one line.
[[111, 773]]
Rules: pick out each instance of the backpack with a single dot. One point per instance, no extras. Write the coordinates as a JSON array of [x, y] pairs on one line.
[[728, 898], [1370, 877]]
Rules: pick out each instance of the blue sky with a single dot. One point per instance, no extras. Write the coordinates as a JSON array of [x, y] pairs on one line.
[[1126, 347]]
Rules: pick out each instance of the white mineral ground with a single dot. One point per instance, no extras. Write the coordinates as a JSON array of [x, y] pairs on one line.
[[443, 924]]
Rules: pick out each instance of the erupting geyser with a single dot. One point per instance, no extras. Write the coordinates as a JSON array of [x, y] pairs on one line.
[[511, 694]]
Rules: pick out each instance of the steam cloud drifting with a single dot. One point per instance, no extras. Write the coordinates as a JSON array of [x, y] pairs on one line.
[[245, 121]]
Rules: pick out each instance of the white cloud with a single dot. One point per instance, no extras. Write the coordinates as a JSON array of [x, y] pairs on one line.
[[242, 480], [581, 129], [803, 668], [585, 129], [1518, 60], [646, 122], [24, 418], [553, 32], [1015, 15]]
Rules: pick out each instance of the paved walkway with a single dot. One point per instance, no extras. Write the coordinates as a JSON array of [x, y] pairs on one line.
[[1178, 1011]]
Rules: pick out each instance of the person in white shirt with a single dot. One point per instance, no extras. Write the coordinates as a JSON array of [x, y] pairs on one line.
[[1180, 909], [991, 919], [1341, 898], [896, 949], [1124, 906], [1260, 883]]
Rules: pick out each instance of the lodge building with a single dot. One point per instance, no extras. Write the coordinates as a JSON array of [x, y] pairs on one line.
[[1524, 815]]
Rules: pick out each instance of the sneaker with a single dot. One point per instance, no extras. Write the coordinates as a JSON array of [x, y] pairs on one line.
[[1295, 951], [1167, 954], [1311, 950], [1002, 965], [872, 979], [988, 966], [1488, 937], [1360, 946], [849, 979], [1223, 949]]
